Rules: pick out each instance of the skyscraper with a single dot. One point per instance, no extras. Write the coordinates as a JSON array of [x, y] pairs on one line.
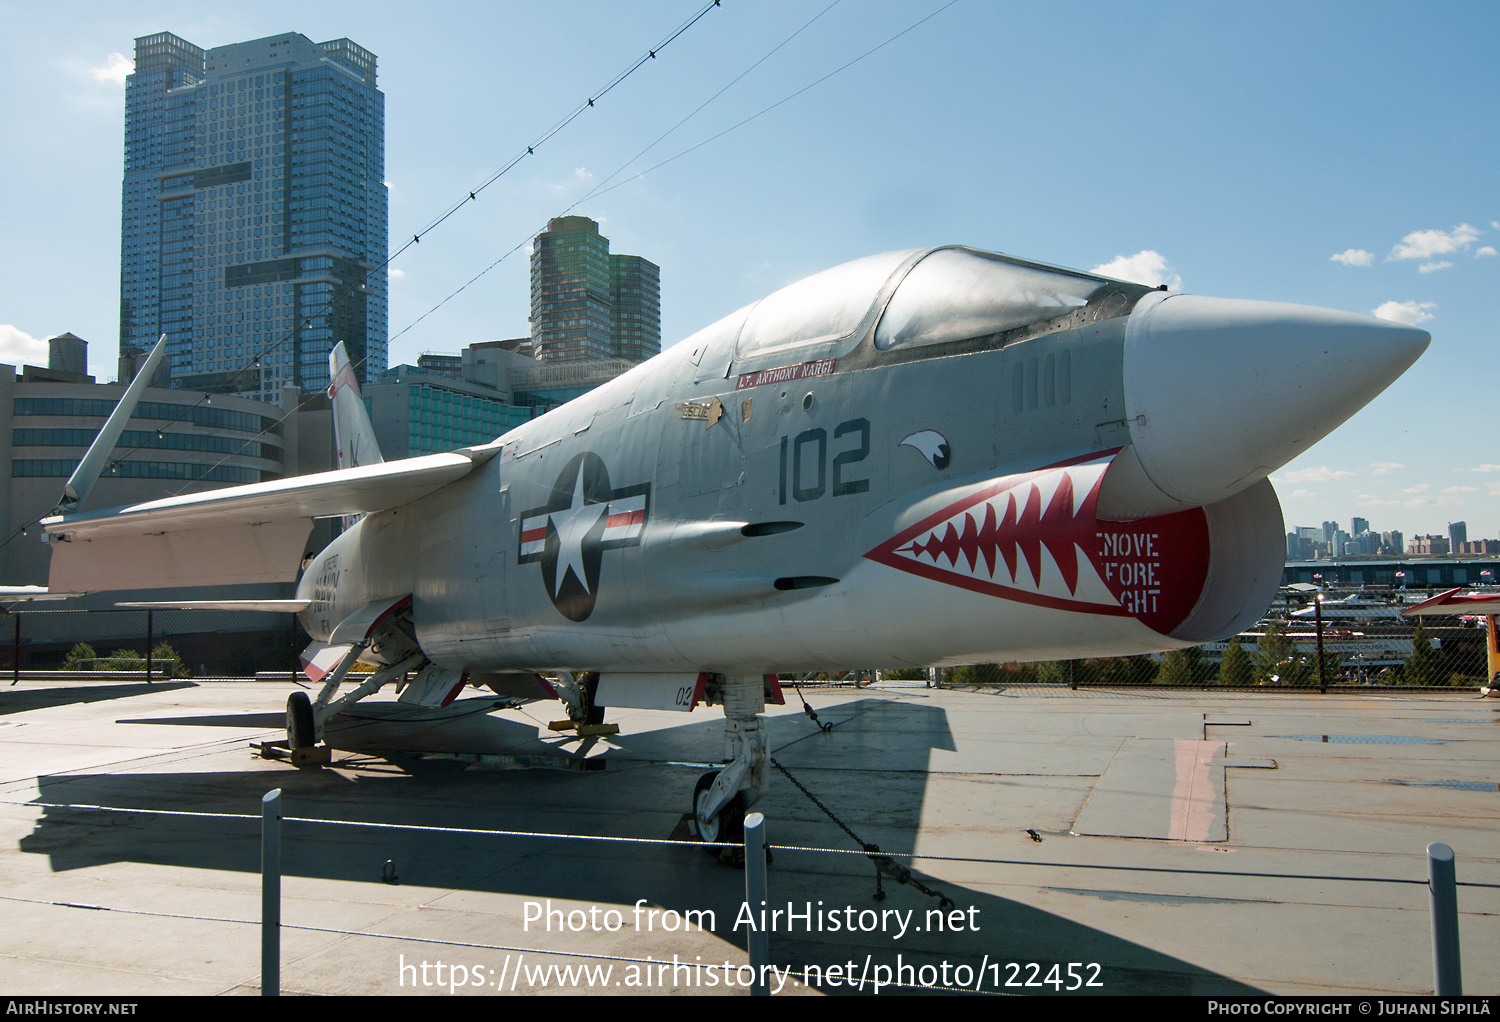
[[1458, 535], [635, 315], [586, 303], [253, 213]]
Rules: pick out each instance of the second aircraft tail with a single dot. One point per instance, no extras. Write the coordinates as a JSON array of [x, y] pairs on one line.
[[353, 435]]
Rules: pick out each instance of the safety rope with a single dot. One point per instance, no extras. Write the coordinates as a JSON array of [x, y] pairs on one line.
[[885, 866], [811, 713]]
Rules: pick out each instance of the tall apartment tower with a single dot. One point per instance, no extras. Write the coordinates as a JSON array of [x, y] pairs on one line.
[[635, 319], [588, 304], [253, 217], [1458, 535]]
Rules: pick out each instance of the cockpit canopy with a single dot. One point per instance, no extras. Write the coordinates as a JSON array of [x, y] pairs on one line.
[[954, 293], [910, 298]]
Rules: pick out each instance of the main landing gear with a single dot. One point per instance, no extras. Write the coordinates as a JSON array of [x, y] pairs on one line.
[[722, 797]]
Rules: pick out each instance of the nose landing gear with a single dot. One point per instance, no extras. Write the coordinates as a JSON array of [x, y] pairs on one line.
[[721, 798]]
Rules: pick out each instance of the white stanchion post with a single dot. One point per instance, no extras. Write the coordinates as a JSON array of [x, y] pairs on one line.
[[755, 898], [270, 894], [1442, 886]]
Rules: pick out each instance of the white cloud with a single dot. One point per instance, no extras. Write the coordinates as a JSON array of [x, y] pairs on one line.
[[1353, 257], [1484, 468], [1433, 267], [1426, 244], [1147, 267], [1319, 474], [1304, 493], [1410, 313], [114, 69], [583, 175], [1384, 468], [1488, 250], [1460, 489], [17, 347], [1416, 496], [396, 274]]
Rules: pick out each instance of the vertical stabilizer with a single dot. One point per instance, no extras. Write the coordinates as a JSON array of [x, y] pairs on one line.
[[353, 436]]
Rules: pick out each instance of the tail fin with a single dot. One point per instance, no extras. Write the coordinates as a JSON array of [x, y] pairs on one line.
[[352, 433]]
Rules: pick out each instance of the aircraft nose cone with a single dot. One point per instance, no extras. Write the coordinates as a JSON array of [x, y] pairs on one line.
[[1220, 392]]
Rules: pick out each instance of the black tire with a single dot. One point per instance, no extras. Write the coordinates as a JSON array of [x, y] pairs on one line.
[[728, 826], [300, 732], [588, 687]]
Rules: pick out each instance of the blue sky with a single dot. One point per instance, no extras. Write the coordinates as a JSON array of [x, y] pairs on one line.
[[1231, 151]]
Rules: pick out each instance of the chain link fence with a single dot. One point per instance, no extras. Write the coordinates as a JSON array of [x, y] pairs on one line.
[[174, 644], [1433, 652], [1381, 649]]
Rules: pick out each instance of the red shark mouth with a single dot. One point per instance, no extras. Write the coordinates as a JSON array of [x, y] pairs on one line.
[[1034, 538]]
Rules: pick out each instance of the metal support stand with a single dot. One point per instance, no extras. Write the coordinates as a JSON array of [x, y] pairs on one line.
[[149, 629], [15, 649], [1322, 675], [755, 898], [291, 640], [1442, 886], [270, 894]]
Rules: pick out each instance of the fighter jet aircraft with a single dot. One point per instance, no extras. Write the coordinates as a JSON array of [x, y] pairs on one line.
[[929, 457]]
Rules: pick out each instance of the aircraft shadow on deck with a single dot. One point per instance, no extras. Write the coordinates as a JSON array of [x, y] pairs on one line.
[[871, 770], [22, 700]]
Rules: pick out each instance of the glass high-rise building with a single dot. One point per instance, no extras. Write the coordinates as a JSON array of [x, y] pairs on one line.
[[254, 211], [588, 304], [635, 316]]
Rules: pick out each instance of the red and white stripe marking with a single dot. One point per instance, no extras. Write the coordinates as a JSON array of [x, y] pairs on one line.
[[627, 516]]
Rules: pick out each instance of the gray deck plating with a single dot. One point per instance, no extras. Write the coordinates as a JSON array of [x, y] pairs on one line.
[[1119, 786]]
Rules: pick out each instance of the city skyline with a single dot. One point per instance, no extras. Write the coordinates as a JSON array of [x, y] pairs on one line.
[[1246, 160]]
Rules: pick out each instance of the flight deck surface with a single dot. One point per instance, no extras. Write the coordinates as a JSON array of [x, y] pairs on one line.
[[1160, 841]]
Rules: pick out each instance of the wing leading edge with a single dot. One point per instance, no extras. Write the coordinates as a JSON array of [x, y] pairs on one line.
[[237, 535]]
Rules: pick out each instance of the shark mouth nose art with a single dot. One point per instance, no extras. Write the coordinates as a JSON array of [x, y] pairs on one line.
[[1034, 538]]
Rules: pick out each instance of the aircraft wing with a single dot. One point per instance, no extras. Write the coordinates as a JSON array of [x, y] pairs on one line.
[[236, 535]]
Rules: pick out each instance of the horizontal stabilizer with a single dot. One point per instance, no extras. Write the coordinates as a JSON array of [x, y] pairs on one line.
[[26, 594], [276, 606], [236, 535]]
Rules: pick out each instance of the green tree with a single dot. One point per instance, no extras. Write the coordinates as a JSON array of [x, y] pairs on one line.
[[1425, 665], [80, 658], [906, 674], [1278, 661], [1181, 667], [1236, 669], [1331, 668], [123, 660], [1054, 672], [166, 660], [974, 674]]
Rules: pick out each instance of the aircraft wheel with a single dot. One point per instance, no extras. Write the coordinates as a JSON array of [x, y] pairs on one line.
[[300, 732], [728, 826], [589, 713]]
